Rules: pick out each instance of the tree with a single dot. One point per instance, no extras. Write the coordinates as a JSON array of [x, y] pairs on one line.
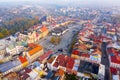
[[17, 24], [5, 32], [55, 40], [70, 76], [1, 35], [52, 40]]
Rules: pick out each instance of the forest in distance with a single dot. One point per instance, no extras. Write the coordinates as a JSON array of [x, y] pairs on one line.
[[17, 24]]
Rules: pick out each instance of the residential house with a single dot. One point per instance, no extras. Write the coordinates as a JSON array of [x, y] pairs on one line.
[[44, 31], [2, 53], [34, 51], [114, 57], [111, 31], [49, 63], [115, 73], [23, 60], [101, 73], [45, 56], [13, 50], [21, 36], [32, 37]]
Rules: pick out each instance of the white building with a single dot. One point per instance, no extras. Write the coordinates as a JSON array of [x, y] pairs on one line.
[[101, 73]]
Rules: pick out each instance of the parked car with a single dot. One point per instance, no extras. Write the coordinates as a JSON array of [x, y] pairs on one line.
[[60, 50]]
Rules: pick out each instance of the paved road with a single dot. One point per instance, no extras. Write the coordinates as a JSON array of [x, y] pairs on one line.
[[105, 61]]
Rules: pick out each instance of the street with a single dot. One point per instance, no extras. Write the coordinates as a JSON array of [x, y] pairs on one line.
[[105, 61]]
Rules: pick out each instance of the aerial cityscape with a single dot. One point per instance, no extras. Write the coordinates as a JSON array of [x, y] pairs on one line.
[[59, 40]]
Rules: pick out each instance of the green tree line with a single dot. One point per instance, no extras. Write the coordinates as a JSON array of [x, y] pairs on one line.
[[17, 24]]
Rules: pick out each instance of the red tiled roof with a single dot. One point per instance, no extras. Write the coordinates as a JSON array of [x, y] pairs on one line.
[[113, 70], [118, 58], [70, 63], [31, 45], [22, 59], [85, 55], [115, 60], [101, 36], [56, 64], [112, 50], [43, 29], [75, 52], [60, 57], [45, 55], [109, 50], [37, 34], [58, 60], [64, 61], [35, 48], [92, 36]]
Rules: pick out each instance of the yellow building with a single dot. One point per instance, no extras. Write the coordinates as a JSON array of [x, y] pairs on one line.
[[37, 35], [44, 31], [34, 51], [32, 37]]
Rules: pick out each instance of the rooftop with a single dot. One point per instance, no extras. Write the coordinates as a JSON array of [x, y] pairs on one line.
[[87, 67], [9, 65], [76, 52], [64, 61], [50, 60], [22, 59], [34, 48], [113, 70], [114, 54], [47, 54], [43, 29], [85, 55], [115, 59]]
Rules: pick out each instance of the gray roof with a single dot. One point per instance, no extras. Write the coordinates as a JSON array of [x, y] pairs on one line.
[[8, 65], [59, 29]]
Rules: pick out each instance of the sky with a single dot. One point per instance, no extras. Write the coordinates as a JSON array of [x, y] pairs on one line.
[[85, 2]]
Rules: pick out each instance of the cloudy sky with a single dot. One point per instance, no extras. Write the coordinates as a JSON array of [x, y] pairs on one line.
[[100, 2]]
